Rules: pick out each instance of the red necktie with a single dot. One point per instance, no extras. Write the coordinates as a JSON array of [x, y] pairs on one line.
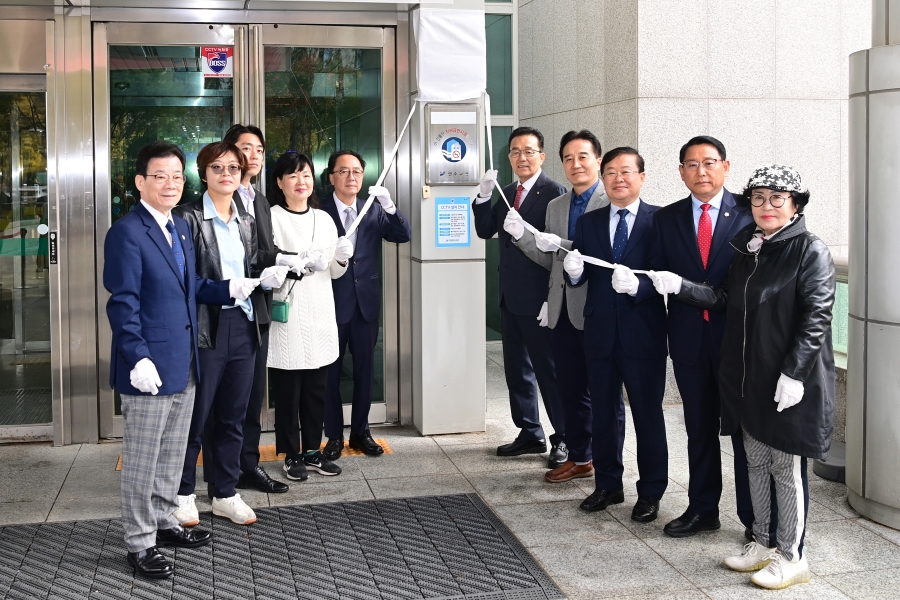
[[704, 240], [518, 201]]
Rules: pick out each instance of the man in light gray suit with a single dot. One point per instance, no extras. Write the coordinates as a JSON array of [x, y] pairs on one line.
[[563, 312]]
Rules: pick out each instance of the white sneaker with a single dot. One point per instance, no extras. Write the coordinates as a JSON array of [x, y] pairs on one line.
[[753, 558], [186, 513], [782, 573], [235, 509]]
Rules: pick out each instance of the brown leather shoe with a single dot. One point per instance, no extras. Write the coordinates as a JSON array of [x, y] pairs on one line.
[[569, 470]]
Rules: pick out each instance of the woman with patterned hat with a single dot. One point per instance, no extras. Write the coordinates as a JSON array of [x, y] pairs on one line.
[[777, 364]]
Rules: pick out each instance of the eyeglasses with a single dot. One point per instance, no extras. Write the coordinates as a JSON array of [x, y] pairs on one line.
[[356, 173], [776, 200], [623, 174], [527, 153], [709, 163], [219, 169], [177, 178]]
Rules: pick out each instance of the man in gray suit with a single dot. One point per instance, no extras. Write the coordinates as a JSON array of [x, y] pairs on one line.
[[563, 312]]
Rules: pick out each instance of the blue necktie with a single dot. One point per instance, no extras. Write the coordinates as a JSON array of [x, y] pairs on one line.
[[176, 247], [620, 238]]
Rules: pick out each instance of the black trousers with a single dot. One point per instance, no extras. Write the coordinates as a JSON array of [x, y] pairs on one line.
[[299, 408], [361, 336], [528, 365], [252, 425], [226, 376]]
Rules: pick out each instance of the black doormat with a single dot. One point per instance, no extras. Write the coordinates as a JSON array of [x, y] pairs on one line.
[[435, 547]]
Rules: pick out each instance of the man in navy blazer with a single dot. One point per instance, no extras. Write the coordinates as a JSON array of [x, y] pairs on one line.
[[694, 235], [527, 354], [357, 297], [624, 334], [149, 272]]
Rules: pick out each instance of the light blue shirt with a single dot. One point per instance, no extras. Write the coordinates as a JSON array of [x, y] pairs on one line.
[[231, 248], [714, 205], [629, 218]]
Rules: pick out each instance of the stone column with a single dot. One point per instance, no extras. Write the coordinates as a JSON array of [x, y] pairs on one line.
[[873, 370]]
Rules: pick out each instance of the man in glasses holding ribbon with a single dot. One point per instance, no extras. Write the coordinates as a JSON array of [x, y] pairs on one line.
[[357, 296], [624, 334], [527, 356]]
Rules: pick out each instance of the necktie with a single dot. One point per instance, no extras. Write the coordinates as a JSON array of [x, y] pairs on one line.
[[620, 238], [176, 247], [349, 217], [704, 240], [518, 201]]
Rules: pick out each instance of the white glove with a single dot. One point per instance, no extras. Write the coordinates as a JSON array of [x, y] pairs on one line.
[[145, 378], [547, 242], [240, 288], [665, 282], [486, 187], [788, 392], [542, 318], [384, 198], [273, 277], [297, 263], [513, 224], [343, 250], [574, 265], [316, 260], [624, 281]]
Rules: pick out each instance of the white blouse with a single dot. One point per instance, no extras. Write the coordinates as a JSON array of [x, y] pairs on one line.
[[309, 339]]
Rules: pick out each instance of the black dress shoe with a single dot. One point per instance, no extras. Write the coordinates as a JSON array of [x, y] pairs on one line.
[[333, 448], [179, 537], [645, 509], [690, 523], [559, 454], [601, 499], [259, 480], [365, 443], [520, 446], [150, 563]]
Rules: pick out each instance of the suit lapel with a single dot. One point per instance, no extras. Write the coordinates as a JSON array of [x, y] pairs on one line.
[[642, 222], [726, 221], [598, 199], [602, 222], [685, 220], [156, 234], [534, 195]]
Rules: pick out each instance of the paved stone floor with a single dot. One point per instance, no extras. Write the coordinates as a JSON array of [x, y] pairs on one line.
[[601, 555]]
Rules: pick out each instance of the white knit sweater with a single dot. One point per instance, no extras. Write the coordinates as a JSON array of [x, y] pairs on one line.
[[309, 339]]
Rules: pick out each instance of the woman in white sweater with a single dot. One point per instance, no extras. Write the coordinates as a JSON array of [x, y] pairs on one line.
[[303, 346]]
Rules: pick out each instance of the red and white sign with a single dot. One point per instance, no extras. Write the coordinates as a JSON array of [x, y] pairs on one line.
[[217, 61]]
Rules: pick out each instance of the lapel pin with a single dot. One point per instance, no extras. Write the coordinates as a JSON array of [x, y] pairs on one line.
[[726, 214], [182, 237]]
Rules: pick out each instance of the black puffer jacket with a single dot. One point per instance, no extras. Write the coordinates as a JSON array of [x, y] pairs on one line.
[[209, 266], [778, 305]]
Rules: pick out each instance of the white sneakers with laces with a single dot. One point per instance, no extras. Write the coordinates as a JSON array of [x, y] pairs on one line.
[[235, 509], [754, 557], [186, 513], [781, 572]]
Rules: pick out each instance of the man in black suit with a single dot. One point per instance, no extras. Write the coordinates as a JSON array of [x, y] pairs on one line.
[[624, 334], [357, 296], [527, 354], [694, 234]]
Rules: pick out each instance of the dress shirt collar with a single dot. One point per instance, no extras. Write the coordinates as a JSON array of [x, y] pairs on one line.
[[584, 197], [247, 195], [528, 183], [632, 208], [209, 209], [341, 207], [160, 218], [715, 203]]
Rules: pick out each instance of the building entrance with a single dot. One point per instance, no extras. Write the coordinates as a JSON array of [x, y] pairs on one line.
[[310, 89]]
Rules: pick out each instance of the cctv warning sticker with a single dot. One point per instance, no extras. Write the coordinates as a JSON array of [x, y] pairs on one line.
[[217, 61]]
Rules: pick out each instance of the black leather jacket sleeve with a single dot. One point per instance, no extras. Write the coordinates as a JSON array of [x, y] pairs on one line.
[[703, 295], [816, 283]]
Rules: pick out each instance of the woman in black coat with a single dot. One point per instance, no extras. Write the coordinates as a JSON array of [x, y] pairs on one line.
[[776, 377]]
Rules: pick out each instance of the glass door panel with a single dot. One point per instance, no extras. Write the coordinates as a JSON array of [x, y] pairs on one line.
[[318, 100], [25, 388]]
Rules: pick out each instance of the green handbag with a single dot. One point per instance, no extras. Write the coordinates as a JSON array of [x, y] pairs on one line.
[[281, 309]]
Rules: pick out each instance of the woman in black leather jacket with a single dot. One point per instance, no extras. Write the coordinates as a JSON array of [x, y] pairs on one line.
[[776, 377]]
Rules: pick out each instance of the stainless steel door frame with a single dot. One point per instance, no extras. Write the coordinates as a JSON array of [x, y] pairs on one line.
[[162, 34], [348, 37]]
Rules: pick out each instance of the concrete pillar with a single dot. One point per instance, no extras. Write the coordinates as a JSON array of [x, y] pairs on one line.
[[873, 392]]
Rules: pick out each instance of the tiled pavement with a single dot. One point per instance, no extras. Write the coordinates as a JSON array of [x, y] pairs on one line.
[[588, 555]]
